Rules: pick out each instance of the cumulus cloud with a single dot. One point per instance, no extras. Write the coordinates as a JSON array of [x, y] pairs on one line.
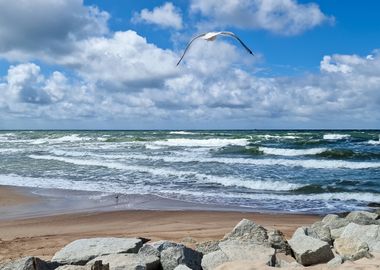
[[167, 16], [286, 17], [46, 28]]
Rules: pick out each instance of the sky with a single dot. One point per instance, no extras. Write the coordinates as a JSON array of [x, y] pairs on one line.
[[96, 64]]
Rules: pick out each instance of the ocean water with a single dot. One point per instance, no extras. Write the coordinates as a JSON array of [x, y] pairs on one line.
[[260, 170]]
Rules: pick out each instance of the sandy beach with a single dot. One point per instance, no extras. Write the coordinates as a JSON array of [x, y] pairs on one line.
[[43, 236]]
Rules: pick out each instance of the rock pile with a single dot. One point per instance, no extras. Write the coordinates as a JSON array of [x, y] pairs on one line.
[[333, 240]]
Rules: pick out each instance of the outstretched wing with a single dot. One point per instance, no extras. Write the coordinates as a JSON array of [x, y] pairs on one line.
[[236, 37], [188, 46]]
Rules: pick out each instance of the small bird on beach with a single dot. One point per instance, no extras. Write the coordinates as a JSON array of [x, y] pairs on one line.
[[211, 36]]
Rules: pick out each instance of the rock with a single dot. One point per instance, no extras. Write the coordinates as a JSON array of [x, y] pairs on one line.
[[182, 267], [173, 256], [83, 250], [308, 250], [336, 225], [128, 261], [362, 217], [288, 261], [213, 259], [335, 262], [235, 250], [242, 265], [365, 233], [97, 265], [319, 231], [29, 263], [248, 231], [278, 241], [207, 247], [336, 233], [164, 244], [351, 248], [149, 250]]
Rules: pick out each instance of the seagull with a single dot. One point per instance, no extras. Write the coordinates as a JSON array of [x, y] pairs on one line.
[[211, 36]]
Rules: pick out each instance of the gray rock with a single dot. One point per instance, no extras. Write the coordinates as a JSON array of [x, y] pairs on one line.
[[83, 250], [351, 248], [308, 250], [207, 247], [29, 263], [336, 233], [182, 267], [173, 256], [319, 231], [236, 250], [97, 265], [334, 222], [149, 250], [278, 241], [365, 233], [248, 231], [283, 260], [164, 244], [362, 217], [214, 259], [335, 262], [128, 261]]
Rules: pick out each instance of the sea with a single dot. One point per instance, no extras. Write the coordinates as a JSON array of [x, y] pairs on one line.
[[297, 171]]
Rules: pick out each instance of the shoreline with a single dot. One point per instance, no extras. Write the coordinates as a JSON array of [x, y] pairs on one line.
[[43, 232]]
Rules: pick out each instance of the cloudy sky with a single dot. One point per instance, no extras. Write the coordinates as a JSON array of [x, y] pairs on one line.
[[67, 64]]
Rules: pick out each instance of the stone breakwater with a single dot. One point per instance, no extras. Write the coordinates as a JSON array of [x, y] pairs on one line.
[[332, 242]]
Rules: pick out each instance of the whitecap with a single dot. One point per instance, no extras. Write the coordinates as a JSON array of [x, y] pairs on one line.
[[291, 152], [336, 136], [202, 142]]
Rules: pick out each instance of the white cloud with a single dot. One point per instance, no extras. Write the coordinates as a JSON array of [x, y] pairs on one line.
[[167, 16], [46, 28], [285, 17]]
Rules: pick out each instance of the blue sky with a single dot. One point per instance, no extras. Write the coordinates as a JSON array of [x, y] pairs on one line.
[[111, 64]]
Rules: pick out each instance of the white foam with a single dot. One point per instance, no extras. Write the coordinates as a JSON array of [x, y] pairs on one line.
[[308, 163], [202, 142], [336, 136], [291, 152], [181, 132], [226, 181], [68, 138], [373, 142], [278, 137], [10, 150]]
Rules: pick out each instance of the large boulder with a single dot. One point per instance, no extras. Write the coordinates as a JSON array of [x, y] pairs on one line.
[[308, 250], [164, 244], [335, 262], [213, 259], [362, 217], [149, 250], [351, 248], [247, 231], [81, 251], [29, 263], [207, 247], [365, 233], [128, 261], [173, 256], [97, 265], [336, 225], [319, 231]]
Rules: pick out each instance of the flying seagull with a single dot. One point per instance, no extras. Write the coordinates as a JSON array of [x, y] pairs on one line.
[[211, 36]]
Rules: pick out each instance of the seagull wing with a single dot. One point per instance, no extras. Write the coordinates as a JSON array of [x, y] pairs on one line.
[[188, 46], [236, 37]]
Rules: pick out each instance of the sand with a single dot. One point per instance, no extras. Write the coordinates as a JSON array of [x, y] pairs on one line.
[[43, 236]]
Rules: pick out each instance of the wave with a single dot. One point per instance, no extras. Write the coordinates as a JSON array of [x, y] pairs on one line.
[[336, 136], [202, 142], [225, 181], [182, 132], [278, 137], [243, 150], [306, 163], [63, 139], [373, 142], [291, 152], [348, 154]]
